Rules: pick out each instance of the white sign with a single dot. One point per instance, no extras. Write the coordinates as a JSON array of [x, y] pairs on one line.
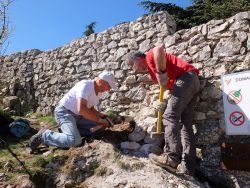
[[236, 102]]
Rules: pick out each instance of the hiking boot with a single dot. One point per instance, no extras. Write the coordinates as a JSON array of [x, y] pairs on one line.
[[36, 140], [183, 169], [163, 161]]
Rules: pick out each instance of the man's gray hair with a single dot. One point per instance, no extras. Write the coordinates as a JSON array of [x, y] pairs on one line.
[[133, 55]]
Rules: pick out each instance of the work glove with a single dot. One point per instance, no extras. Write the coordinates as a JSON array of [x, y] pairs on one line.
[[167, 94], [162, 106], [162, 78]]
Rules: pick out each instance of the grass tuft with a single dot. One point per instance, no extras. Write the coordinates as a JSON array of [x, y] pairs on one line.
[[40, 161], [43, 118], [101, 170]]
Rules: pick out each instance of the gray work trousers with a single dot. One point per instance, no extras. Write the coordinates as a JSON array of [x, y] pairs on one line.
[[177, 119]]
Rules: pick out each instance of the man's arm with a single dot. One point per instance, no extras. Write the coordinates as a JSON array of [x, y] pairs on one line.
[[160, 58], [85, 111], [99, 114], [161, 65], [167, 94], [90, 113]]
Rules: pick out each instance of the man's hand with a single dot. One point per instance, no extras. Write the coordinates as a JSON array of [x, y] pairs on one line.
[[103, 115], [167, 94], [162, 78], [104, 122], [162, 106]]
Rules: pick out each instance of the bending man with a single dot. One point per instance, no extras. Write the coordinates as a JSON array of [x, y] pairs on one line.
[[181, 82]]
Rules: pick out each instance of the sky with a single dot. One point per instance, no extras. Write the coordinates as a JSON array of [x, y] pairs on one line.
[[48, 24]]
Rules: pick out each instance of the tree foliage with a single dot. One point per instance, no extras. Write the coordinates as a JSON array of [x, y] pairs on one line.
[[4, 24], [89, 29], [201, 11], [154, 7]]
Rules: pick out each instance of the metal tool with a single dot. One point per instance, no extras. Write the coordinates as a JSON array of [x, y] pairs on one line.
[[96, 128], [4, 144]]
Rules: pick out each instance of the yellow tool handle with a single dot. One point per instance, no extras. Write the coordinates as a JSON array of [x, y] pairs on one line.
[[159, 122]]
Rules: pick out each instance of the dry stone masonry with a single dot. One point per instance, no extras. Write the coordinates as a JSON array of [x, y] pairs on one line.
[[40, 79], [37, 80]]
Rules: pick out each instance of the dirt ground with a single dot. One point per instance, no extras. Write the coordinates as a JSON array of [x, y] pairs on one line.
[[118, 133], [10, 168]]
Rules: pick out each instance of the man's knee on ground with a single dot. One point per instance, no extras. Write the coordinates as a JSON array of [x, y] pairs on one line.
[[73, 141]]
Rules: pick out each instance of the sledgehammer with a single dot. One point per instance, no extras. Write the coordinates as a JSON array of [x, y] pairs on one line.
[[159, 133], [97, 127]]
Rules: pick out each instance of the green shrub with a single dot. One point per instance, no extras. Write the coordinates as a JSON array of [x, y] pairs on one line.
[[112, 114]]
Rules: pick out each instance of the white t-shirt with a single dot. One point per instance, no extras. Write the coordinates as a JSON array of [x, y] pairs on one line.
[[83, 89]]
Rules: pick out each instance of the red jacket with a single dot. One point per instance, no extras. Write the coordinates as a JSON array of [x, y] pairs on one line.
[[176, 67]]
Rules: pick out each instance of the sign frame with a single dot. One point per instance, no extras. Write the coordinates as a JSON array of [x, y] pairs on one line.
[[237, 81]]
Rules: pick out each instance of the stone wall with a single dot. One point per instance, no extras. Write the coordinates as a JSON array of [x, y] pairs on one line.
[[40, 79]]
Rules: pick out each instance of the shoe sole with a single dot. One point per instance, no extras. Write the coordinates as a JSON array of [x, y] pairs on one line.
[[184, 173], [33, 139], [30, 145], [166, 167]]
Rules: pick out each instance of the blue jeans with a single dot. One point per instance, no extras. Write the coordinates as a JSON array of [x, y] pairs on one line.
[[72, 127]]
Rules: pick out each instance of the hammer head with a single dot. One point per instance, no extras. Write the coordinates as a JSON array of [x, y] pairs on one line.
[[157, 135], [111, 124]]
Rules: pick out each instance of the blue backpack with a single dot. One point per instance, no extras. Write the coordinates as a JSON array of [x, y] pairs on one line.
[[19, 127]]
